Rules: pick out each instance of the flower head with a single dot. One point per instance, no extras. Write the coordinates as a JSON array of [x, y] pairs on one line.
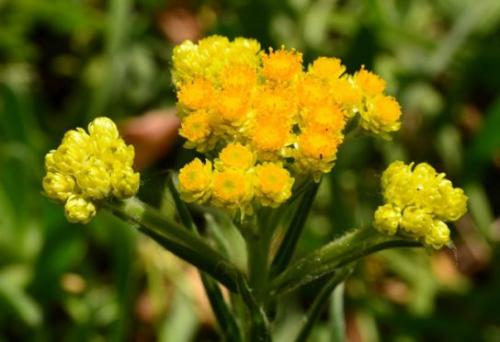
[[195, 181], [259, 113], [273, 184], [327, 68], [382, 115], [88, 168], [196, 94], [281, 65], [232, 189], [369, 83], [419, 201], [197, 129], [237, 156]]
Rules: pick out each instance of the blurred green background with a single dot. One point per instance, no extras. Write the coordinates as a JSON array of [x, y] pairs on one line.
[[63, 62]]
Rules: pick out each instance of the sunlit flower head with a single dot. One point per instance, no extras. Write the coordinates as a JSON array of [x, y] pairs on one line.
[[419, 201], [232, 189], [195, 181], [281, 65], [236, 156], [90, 167], [327, 68], [369, 83], [244, 108], [273, 184]]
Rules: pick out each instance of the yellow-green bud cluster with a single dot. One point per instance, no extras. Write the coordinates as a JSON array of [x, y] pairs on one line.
[[88, 167], [419, 201]]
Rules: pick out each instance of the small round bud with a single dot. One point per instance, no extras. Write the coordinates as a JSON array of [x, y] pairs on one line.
[[79, 210]]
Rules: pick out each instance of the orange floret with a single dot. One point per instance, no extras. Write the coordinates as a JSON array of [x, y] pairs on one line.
[[386, 109], [281, 65], [196, 127], [327, 68], [369, 83], [242, 77], [197, 94], [232, 105]]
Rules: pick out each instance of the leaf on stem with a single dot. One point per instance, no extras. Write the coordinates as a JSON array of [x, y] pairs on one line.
[[287, 247], [350, 247]]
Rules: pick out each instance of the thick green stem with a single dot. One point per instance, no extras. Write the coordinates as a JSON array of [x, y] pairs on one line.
[[321, 301], [257, 254], [352, 246], [177, 239], [259, 324]]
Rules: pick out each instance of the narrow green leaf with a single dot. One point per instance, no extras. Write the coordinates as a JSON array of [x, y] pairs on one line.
[[321, 301], [175, 238], [227, 323], [337, 313], [259, 329], [287, 247]]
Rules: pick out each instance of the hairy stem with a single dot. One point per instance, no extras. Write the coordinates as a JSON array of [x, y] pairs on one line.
[[350, 247], [177, 239]]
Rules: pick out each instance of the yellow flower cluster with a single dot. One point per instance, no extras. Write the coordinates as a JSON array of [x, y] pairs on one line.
[[89, 167], [234, 181], [419, 201], [233, 92]]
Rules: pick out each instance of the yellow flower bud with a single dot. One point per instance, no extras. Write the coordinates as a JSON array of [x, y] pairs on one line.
[[427, 199], [103, 127], [58, 186], [87, 168], [438, 236], [387, 218], [79, 210], [416, 221], [95, 181], [125, 182]]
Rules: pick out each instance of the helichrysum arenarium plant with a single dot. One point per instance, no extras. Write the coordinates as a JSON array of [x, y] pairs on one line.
[[269, 129]]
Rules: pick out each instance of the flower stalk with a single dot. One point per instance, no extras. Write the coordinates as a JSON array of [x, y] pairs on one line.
[[350, 247], [177, 239]]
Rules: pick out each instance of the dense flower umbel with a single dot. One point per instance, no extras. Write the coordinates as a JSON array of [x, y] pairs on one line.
[[89, 167], [419, 201], [234, 93]]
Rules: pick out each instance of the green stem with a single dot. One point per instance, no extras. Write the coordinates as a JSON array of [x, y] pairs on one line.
[[352, 246], [320, 302], [257, 253], [175, 238], [259, 325]]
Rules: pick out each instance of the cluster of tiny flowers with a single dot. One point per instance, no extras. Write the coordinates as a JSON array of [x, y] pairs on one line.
[[419, 201], [234, 181], [287, 116], [88, 167]]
